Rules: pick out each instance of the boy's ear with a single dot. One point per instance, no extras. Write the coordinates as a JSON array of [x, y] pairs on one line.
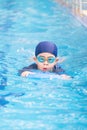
[[61, 59], [34, 58], [57, 59]]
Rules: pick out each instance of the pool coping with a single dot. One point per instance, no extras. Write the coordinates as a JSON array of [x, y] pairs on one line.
[[82, 18]]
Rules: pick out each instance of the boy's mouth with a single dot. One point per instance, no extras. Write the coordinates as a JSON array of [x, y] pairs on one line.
[[44, 69]]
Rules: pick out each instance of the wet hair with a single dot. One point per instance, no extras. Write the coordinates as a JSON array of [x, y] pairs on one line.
[[46, 46]]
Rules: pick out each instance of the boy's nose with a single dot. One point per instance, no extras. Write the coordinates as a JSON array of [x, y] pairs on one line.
[[45, 63]]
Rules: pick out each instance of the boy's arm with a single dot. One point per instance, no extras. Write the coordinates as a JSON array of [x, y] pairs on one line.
[[62, 73], [23, 70], [27, 70]]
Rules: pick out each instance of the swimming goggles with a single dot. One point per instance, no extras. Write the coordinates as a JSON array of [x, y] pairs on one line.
[[42, 59]]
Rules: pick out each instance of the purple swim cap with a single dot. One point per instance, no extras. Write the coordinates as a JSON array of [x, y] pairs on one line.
[[46, 46]]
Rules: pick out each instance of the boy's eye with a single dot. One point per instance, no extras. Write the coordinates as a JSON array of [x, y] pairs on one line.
[[51, 60], [40, 59]]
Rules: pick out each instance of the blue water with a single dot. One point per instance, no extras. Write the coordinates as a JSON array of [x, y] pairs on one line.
[[37, 102]]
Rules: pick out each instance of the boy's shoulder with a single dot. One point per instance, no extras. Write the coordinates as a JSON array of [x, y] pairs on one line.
[[27, 68], [58, 69], [30, 67]]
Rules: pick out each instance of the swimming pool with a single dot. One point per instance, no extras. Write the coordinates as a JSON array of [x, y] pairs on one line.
[[38, 103]]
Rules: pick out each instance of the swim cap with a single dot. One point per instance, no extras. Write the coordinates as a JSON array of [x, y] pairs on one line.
[[46, 46]]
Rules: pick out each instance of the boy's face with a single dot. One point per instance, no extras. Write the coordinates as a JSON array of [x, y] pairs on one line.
[[45, 61]]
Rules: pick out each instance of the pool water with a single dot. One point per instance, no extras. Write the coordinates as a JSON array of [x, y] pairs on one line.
[[41, 102]]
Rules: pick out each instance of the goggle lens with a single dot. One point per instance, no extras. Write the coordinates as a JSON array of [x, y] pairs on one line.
[[42, 59]]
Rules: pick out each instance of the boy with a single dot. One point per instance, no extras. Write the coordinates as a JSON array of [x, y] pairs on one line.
[[45, 60]]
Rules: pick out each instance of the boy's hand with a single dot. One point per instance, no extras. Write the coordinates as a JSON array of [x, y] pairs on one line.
[[26, 73], [66, 77]]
